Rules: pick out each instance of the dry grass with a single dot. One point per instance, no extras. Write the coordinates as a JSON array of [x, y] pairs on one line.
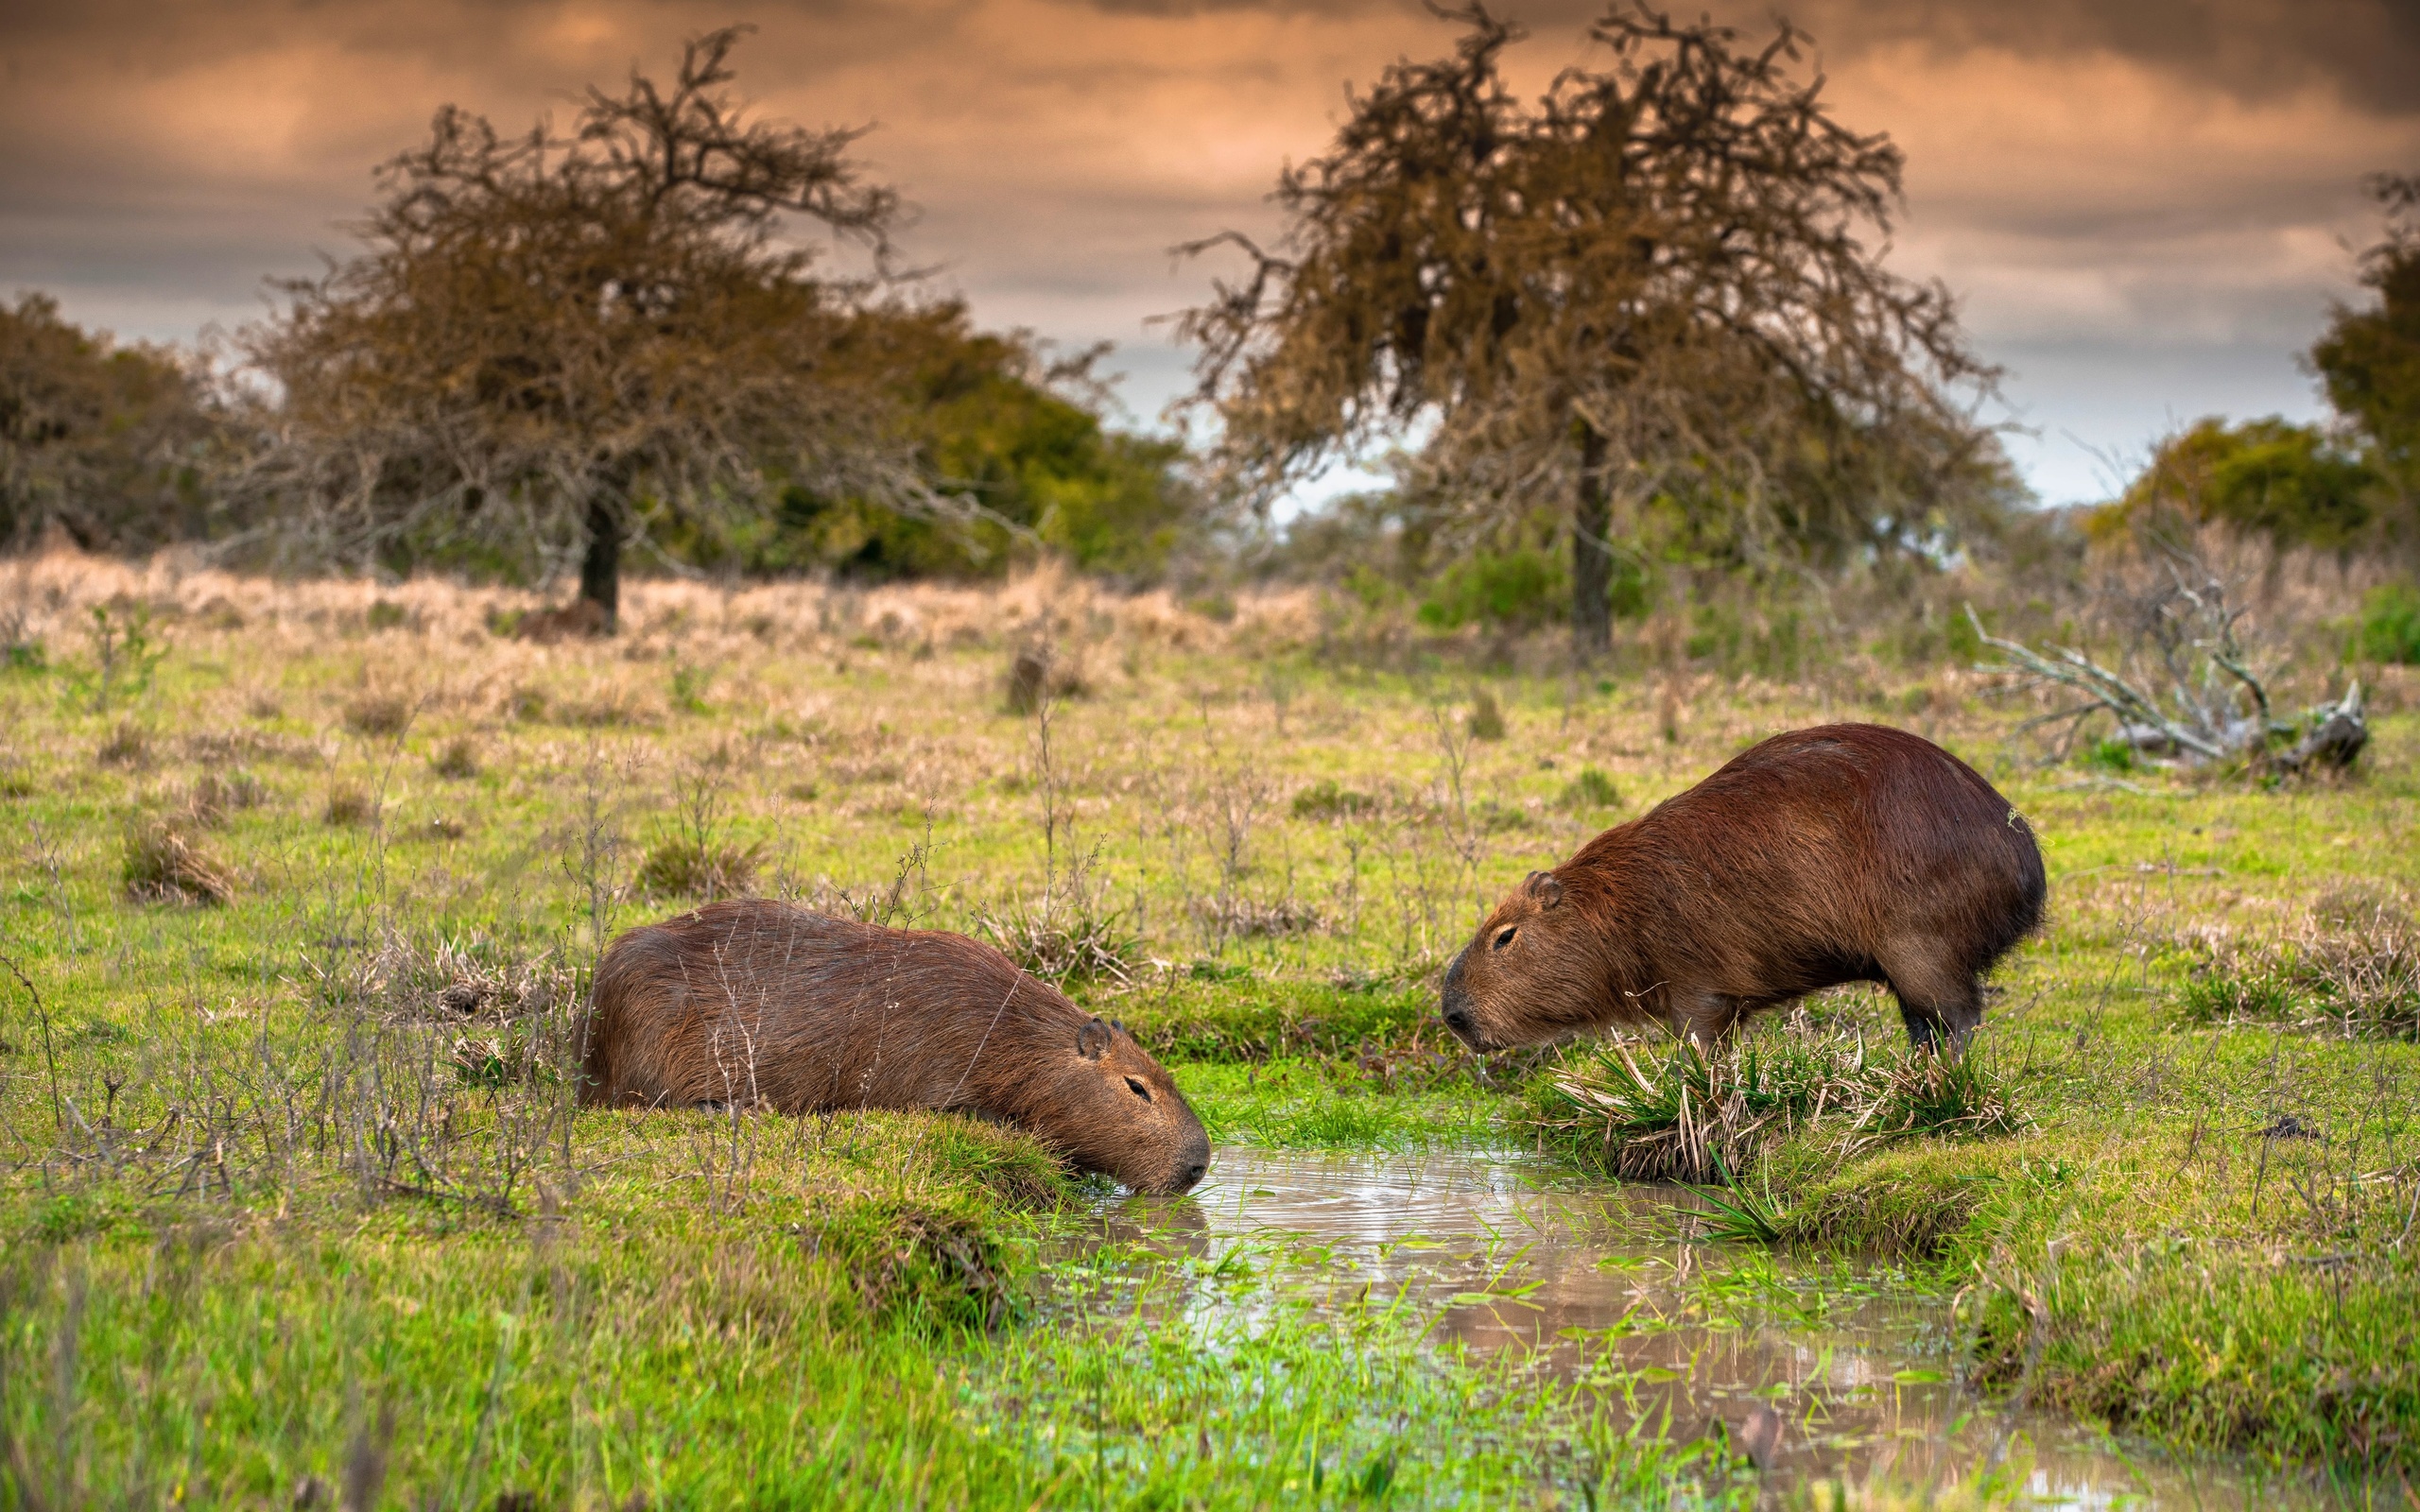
[[457, 761], [128, 745], [2349, 967], [215, 797], [379, 715]]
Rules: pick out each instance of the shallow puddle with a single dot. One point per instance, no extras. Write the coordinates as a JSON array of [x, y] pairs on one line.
[[1820, 1370]]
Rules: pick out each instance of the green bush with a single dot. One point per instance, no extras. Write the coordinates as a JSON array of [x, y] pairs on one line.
[[1591, 789], [2390, 624], [1517, 590]]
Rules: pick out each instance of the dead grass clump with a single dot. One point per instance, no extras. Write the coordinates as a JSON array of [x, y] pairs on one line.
[[526, 704], [350, 805], [686, 867], [167, 864], [452, 979], [128, 745], [1039, 673], [458, 760], [2350, 968], [265, 705], [215, 797], [379, 715]]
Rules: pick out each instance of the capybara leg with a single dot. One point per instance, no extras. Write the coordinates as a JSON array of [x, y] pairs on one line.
[[1942, 1003], [1704, 1016]]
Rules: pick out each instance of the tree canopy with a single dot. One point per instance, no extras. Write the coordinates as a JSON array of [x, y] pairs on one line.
[[2369, 359], [2292, 484], [105, 441], [552, 343], [1652, 283]]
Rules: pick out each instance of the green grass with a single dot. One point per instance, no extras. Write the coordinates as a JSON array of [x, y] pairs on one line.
[[268, 1186]]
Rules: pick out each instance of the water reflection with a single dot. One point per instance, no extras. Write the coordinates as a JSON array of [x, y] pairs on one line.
[[1819, 1370]]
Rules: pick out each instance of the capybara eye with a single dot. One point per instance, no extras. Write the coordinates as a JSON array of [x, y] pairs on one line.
[[1505, 938], [1139, 1089]]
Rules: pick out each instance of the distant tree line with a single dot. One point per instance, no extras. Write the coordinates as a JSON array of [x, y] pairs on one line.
[[1639, 325]]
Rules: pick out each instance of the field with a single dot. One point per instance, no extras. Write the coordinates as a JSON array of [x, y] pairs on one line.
[[303, 880]]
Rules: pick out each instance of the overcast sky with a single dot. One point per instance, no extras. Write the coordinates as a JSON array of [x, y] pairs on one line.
[[2142, 203]]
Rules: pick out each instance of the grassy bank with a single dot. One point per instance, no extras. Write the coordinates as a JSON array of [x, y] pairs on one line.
[[303, 880]]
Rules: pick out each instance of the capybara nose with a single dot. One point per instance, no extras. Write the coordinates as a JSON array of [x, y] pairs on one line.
[[1193, 1175], [1459, 1019]]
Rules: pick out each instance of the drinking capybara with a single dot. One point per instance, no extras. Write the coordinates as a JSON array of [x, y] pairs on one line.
[[756, 1002], [1844, 853]]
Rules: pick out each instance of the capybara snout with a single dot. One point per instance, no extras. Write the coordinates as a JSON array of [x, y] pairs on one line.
[[1844, 853], [761, 1002]]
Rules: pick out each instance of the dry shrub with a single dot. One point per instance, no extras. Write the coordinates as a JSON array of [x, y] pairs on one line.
[[580, 619], [265, 705], [350, 805], [458, 760], [128, 745], [2351, 967], [167, 864]]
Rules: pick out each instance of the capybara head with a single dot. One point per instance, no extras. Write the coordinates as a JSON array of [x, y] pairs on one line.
[[1114, 1110], [1531, 972]]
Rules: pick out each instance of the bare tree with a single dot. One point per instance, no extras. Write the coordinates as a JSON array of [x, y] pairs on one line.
[[1655, 278], [553, 344]]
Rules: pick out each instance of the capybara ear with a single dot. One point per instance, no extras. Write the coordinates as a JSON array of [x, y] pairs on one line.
[[1541, 889], [1093, 1038]]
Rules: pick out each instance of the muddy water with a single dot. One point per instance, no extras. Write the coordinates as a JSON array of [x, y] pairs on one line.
[[1822, 1371]]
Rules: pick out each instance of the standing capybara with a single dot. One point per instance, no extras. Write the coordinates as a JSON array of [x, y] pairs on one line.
[[1844, 853], [756, 1001]]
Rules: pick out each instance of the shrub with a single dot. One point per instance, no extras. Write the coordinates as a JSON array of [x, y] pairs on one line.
[[384, 615], [1591, 789], [1517, 590], [1038, 673], [164, 864], [2390, 624], [1324, 800], [1065, 940]]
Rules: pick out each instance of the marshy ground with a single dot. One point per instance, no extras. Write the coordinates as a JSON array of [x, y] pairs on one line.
[[303, 880]]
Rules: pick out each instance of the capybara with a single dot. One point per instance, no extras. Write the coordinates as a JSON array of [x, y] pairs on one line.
[[757, 1001], [1842, 853]]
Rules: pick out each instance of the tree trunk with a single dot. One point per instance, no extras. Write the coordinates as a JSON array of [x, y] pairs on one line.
[[1592, 558], [600, 571]]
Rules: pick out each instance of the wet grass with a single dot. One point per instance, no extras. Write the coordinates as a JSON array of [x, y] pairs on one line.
[[280, 1168]]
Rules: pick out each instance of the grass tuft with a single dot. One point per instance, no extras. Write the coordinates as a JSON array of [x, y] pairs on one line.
[[379, 715], [686, 867], [215, 797], [458, 760], [166, 864], [348, 806], [1065, 940], [1486, 720], [1591, 789], [1681, 1115], [128, 745]]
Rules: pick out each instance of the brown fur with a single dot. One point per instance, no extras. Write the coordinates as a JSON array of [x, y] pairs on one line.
[[1844, 853], [753, 1002]]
